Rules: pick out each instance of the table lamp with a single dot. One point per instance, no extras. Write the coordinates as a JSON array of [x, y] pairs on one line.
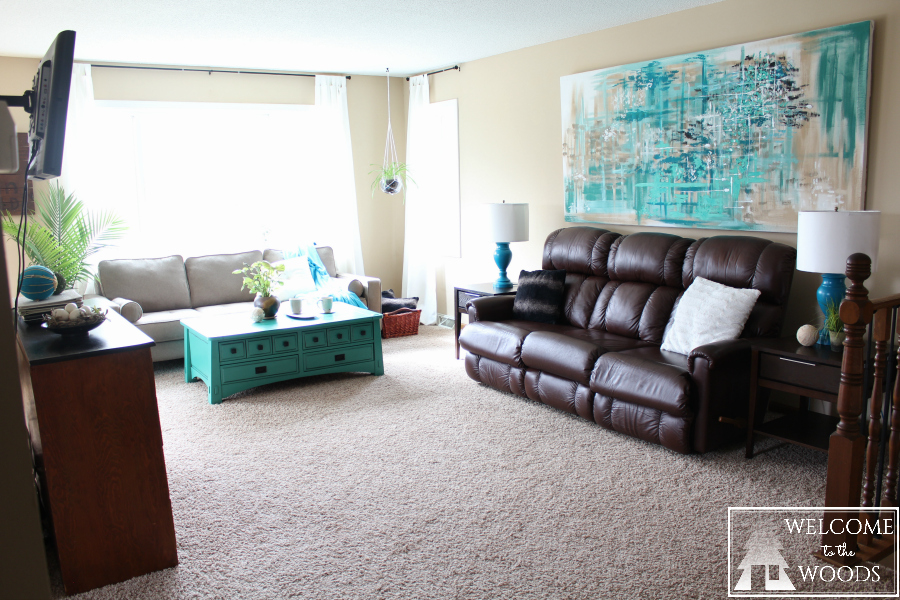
[[506, 223], [825, 239]]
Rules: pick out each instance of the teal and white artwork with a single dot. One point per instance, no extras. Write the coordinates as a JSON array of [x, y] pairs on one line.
[[740, 138]]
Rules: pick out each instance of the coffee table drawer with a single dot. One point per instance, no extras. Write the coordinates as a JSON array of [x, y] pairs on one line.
[[361, 333], [260, 369], [314, 339], [285, 343], [259, 347], [231, 351], [338, 335], [331, 358]]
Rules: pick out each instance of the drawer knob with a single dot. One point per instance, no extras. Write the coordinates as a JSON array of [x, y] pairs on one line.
[[260, 369], [315, 339], [234, 350], [259, 346], [798, 362], [285, 343], [362, 332], [340, 336], [338, 357]]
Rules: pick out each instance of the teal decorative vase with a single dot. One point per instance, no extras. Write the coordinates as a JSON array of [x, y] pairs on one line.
[[38, 283], [268, 304]]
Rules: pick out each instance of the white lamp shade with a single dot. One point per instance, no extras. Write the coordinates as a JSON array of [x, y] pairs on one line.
[[507, 222], [825, 239]]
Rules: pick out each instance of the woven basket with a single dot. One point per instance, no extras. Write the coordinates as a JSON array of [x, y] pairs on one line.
[[404, 321]]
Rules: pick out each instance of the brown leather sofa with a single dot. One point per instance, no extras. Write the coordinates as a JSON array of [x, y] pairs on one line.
[[604, 361]]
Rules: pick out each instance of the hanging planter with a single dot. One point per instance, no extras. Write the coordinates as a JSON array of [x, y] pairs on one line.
[[391, 176]]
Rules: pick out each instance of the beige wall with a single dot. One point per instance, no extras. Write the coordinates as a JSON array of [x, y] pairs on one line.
[[381, 216], [510, 124]]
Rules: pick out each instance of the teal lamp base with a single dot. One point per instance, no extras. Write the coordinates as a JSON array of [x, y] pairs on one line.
[[502, 257], [832, 292]]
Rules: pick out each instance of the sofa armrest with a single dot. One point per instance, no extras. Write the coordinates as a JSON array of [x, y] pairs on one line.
[[721, 375], [129, 309], [371, 289], [490, 308]]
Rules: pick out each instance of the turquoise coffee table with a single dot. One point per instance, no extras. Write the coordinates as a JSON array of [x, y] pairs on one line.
[[231, 353]]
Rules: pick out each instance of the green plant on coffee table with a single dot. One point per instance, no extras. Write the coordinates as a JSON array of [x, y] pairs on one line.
[[833, 321], [63, 234], [261, 278]]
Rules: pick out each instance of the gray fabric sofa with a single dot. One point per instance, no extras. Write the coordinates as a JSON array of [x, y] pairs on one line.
[[156, 293]]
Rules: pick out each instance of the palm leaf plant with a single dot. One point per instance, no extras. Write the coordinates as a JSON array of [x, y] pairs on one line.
[[64, 235]]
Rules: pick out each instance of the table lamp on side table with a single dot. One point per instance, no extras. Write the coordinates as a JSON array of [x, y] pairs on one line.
[[506, 223], [825, 239]]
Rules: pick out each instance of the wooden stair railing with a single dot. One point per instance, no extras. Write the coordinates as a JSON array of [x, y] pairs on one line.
[[855, 461]]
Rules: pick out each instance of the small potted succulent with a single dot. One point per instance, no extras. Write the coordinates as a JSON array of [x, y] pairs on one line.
[[390, 178], [834, 326], [262, 278]]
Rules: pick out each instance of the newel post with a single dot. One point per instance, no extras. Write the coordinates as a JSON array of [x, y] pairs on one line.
[[846, 448]]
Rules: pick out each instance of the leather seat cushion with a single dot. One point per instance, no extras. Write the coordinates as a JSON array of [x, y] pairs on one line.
[[610, 342], [500, 342], [561, 355], [634, 379]]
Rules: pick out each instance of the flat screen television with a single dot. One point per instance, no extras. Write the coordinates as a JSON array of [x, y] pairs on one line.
[[50, 105]]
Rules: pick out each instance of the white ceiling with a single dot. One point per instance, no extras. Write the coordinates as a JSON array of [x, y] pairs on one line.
[[344, 36]]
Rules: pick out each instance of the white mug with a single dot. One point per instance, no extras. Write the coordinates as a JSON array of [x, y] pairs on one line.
[[325, 302], [296, 305]]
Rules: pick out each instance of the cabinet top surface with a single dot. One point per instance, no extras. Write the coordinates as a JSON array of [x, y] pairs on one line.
[[240, 324], [487, 289], [792, 348], [115, 335]]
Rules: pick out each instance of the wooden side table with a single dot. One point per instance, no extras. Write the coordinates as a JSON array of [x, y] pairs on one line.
[[90, 406], [463, 294], [810, 372]]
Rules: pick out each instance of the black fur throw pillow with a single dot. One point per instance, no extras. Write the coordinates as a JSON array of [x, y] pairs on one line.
[[387, 294], [539, 296]]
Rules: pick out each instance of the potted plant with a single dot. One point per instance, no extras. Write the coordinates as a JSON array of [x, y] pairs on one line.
[[63, 235], [834, 326], [390, 178], [262, 278]]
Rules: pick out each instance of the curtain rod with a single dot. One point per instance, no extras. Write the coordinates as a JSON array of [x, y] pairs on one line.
[[210, 71], [455, 67]]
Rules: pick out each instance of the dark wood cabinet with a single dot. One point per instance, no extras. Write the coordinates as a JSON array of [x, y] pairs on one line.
[[463, 294], [90, 405], [810, 372]]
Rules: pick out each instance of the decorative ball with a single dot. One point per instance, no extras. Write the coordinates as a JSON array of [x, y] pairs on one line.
[[808, 335], [257, 315], [38, 283], [71, 307], [60, 283]]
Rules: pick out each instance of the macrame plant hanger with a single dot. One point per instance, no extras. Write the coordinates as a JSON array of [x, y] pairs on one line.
[[391, 183]]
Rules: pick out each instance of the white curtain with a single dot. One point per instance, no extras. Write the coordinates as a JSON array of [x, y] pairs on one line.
[[79, 165], [418, 247], [342, 225]]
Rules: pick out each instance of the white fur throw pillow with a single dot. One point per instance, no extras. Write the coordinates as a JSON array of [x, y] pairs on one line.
[[708, 312]]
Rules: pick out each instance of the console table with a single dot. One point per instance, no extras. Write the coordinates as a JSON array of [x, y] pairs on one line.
[[91, 413], [810, 372], [463, 294]]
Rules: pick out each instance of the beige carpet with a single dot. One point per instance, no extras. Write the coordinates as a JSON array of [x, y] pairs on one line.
[[423, 484]]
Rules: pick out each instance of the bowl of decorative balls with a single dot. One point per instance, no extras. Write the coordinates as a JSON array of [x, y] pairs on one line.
[[73, 320]]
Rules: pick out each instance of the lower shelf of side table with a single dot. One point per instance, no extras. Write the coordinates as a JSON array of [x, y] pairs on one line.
[[808, 429]]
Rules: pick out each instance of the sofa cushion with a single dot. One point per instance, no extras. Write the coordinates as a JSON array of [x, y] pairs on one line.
[[540, 296], [608, 341], [229, 309], [633, 379], [498, 341], [165, 325], [582, 250], [561, 355], [648, 257], [154, 283], [212, 280], [708, 312]]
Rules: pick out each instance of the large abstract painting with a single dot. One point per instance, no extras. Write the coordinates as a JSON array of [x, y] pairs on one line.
[[741, 137]]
